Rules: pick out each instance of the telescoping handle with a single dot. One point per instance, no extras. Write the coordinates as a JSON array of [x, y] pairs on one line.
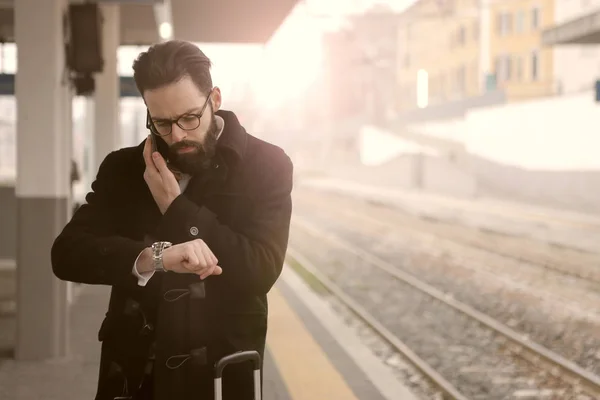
[[237, 358]]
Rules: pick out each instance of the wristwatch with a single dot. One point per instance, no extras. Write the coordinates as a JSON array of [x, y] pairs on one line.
[[157, 255]]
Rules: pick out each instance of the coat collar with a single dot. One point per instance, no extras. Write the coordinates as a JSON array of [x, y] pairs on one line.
[[234, 137]]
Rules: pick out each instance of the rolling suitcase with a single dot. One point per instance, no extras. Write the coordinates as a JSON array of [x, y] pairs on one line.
[[236, 358]]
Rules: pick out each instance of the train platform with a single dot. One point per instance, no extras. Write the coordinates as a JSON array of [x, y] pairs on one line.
[[311, 354], [554, 226]]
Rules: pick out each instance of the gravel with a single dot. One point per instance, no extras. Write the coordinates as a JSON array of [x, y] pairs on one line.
[[470, 356], [559, 312]]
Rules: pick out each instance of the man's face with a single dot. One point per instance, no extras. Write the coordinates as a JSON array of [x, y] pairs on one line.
[[190, 151]]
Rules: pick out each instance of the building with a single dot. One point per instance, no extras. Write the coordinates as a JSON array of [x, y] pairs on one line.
[[576, 52], [463, 49], [360, 62], [343, 76], [522, 67], [441, 39]]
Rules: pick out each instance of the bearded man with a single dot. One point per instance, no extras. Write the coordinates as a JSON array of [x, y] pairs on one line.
[[190, 233]]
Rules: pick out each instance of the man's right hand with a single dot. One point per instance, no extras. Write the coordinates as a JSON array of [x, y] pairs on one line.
[[191, 257]]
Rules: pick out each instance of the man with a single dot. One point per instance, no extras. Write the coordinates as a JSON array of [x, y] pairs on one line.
[[214, 213]]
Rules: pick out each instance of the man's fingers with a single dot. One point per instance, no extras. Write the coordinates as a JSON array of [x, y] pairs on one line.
[[209, 256], [151, 173], [148, 153], [162, 167], [214, 270], [191, 260], [202, 260]]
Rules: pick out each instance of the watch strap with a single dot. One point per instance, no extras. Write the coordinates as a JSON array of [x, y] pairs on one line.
[[157, 255]]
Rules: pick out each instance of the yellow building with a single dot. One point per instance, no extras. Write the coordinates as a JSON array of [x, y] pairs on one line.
[[522, 66], [441, 38], [444, 39]]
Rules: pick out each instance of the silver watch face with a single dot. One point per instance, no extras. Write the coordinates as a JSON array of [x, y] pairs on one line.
[[158, 247]]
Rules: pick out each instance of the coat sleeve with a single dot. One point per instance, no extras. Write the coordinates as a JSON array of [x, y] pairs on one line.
[[89, 249], [251, 257]]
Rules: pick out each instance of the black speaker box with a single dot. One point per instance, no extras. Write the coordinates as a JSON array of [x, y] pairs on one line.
[[84, 49], [85, 85]]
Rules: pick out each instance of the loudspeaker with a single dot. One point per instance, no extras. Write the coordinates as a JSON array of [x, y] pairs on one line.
[[84, 48], [85, 85]]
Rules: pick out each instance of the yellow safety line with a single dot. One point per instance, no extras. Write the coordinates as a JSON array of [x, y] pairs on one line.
[[304, 367]]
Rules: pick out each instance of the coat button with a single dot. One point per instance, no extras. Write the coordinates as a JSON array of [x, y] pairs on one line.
[[194, 231]]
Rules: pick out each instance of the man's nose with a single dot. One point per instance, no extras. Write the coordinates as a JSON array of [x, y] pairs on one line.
[[177, 134]]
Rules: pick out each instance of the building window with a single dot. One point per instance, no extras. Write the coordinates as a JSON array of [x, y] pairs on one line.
[[499, 24], [461, 35], [504, 23], [503, 68], [535, 18], [461, 80], [535, 66], [498, 68], [519, 65], [509, 23], [520, 24]]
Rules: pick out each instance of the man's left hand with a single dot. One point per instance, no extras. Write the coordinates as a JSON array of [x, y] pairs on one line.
[[160, 180]]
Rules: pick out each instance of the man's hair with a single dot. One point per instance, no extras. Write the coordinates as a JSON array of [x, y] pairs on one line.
[[169, 62]]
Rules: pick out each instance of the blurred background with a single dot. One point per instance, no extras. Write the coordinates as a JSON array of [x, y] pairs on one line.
[[466, 97], [447, 182]]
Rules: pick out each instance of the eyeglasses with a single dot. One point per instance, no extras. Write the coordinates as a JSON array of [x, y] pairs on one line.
[[187, 122]]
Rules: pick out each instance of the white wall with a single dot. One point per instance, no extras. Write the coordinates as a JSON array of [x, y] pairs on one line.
[[543, 151], [451, 129], [377, 146], [551, 135], [576, 68]]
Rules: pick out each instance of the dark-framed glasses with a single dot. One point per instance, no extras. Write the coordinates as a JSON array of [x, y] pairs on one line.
[[187, 122]]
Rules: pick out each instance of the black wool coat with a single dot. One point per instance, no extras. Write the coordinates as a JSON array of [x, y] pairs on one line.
[[241, 207]]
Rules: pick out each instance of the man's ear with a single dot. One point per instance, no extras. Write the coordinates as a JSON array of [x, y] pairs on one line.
[[216, 99]]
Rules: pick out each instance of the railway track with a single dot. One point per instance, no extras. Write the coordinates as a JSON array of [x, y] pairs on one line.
[[572, 263], [519, 275], [464, 352]]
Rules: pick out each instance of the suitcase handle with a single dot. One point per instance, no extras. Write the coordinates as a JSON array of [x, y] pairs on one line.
[[237, 358]]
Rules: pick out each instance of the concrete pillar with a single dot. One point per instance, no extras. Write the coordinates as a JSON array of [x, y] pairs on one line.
[[107, 133], [67, 113], [42, 188], [89, 167]]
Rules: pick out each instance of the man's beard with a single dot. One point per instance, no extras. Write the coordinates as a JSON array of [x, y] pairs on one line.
[[198, 160]]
